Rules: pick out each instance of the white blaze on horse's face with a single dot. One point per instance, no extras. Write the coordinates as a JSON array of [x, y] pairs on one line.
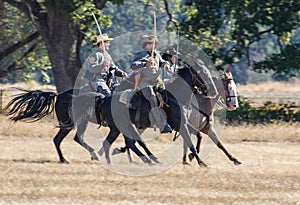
[[231, 94]]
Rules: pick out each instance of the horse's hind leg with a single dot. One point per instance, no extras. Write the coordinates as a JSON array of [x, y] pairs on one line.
[[146, 149], [130, 143], [79, 139], [149, 153], [185, 149], [62, 133], [194, 131], [111, 137]]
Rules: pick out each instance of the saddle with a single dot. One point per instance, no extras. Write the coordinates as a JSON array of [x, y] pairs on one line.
[[134, 100], [140, 106]]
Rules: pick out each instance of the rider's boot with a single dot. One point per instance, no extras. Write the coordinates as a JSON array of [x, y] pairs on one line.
[[160, 120]]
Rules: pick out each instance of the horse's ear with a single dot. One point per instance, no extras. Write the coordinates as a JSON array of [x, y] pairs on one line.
[[228, 68], [228, 74], [227, 71]]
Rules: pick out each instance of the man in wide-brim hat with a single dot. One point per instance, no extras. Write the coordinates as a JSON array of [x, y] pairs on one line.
[[149, 39], [170, 55], [103, 39], [146, 64], [99, 70], [99, 67]]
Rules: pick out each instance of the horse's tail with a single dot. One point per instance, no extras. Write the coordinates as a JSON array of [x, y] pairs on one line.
[[31, 106]]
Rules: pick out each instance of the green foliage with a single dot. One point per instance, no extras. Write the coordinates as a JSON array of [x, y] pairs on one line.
[[15, 26], [285, 65], [268, 113], [228, 30]]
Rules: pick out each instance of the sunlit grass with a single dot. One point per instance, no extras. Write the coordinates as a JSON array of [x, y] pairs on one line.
[[292, 86]]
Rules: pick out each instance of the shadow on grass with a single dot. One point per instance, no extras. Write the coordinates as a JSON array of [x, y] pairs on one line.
[[37, 161]]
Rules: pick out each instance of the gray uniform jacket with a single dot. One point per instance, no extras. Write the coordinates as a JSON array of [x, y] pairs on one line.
[[95, 71], [149, 75]]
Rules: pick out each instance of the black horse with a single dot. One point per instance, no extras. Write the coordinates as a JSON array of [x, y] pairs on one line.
[[34, 105], [138, 116]]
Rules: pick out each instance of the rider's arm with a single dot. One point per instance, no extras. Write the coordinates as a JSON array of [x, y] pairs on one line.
[[137, 79], [140, 60], [161, 61], [118, 71]]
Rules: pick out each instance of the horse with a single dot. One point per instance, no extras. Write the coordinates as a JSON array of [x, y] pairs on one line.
[[202, 108], [31, 106], [201, 111], [34, 105], [138, 116]]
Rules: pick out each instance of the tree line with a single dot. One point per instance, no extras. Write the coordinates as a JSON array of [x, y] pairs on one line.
[[50, 35]]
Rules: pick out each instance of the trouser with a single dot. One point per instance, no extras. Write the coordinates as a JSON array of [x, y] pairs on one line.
[[103, 88], [158, 117]]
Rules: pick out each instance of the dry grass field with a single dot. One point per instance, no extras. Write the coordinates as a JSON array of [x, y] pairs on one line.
[[30, 172]]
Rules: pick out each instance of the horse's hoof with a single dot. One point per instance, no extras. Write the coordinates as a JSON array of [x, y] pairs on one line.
[[154, 159], [108, 161], [101, 151], [191, 157], [237, 162], [63, 161], [117, 151], [94, 157], [202, 164], [146, 160]]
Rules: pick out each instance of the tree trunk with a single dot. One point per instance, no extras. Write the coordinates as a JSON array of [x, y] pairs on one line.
[[62, 39]]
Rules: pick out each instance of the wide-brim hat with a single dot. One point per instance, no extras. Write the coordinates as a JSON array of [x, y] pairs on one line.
[[102, 38], [149, 39], [172, 51]]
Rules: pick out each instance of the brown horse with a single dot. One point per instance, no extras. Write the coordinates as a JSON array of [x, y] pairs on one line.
[[202, 110]]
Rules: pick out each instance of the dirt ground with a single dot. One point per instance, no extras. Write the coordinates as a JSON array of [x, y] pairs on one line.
[[270, 174]]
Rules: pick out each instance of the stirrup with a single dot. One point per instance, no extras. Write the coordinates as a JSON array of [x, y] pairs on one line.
[[104, 123], [167, 129]]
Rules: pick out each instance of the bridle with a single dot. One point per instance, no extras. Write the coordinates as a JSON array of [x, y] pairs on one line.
[[226, 81], [197, 83]]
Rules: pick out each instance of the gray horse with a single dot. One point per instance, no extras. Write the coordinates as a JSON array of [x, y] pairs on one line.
[[202, 110]]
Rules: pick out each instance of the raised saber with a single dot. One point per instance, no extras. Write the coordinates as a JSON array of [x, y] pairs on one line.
[[99, 29], [154, 32], [177, 48]]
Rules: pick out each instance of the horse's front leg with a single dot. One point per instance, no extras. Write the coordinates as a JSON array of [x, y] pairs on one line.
[[214, 137], [81, 128], [149, 153], [186, 136]]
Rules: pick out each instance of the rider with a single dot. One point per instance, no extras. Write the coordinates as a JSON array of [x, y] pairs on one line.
[[146, 64], [170, 56], [99, 67], [211, 90], [99, 71]]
